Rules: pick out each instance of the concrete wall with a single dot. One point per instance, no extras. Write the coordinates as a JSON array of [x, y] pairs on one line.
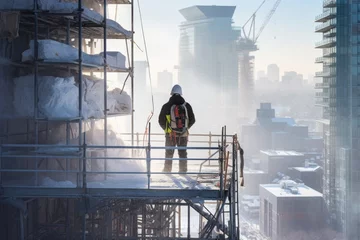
[[268, 224], [274, 164], [299, 214], [289, 214]]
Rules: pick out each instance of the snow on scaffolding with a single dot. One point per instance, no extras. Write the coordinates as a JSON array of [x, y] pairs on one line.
[[61, 7], [168, 181], [58, 98], [53, 50]]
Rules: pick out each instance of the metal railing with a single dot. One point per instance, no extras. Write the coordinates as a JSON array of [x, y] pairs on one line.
[[326, 43], [73, 162], [329, 3]]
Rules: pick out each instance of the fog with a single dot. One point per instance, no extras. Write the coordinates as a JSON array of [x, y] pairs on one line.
[[299, 134]]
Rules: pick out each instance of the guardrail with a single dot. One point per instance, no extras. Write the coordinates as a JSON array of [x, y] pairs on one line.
[[74, 161]]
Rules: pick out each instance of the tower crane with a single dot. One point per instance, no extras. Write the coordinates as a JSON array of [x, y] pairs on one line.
[[245, 45]]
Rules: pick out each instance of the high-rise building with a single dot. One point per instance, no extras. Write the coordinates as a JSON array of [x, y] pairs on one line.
[[164, 81], [339, 99], [273, 73], [207, 52], [289, 207]]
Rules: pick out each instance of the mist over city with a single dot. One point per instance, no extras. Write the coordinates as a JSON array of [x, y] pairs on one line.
[[193, 119]]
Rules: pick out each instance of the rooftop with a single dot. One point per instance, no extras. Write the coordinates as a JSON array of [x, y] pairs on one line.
[[253, 171], [307, 169], [302, 191], [324, 121], [273, 153], [288, 121], [204, 12]]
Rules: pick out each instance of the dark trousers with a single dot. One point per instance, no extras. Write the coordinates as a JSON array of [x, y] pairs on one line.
[[172, 141]]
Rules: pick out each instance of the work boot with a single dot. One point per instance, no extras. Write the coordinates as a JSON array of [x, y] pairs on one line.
[[166, 169]]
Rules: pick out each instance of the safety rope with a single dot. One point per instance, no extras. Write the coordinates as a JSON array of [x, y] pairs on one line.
[[149, 73]]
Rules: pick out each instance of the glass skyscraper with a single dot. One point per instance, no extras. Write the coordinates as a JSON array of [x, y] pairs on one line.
[[339, 98], [207, 52]]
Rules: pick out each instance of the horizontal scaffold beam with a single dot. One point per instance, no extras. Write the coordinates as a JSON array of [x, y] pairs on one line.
[[30, 192]]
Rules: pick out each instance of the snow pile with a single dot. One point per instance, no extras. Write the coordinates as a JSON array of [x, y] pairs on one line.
[[117, 101], [114, 59], [115, 26], [53, 50], [113, 165], [48, 182], [58, 98], [96, 138], [50, 5], [61, 7]]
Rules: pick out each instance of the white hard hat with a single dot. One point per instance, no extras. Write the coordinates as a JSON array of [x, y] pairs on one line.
[[176, 90]]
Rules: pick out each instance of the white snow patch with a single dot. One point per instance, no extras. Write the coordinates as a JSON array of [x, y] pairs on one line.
[[48, 182], [53, 50], [120, 182], [129, 165], [115, 26], [113, 180], [58, 98]]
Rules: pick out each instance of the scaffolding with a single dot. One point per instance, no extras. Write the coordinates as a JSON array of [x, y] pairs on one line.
[[161, 208], [150, 211]]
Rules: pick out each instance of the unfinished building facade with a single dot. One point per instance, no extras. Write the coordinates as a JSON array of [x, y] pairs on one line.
[[63, 173]]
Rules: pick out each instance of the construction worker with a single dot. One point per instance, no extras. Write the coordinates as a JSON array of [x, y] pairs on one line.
[[176, 118]]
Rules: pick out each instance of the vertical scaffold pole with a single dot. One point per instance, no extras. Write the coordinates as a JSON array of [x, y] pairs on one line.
[[105, 86], [36, 53], [132, 73], [188, 222], [221, 162], [148, 157], [80, 81]]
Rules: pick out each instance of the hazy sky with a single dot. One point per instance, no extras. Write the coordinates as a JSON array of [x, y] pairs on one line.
[[288, 39]]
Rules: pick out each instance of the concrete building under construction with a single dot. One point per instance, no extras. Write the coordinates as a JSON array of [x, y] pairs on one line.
[[64, 174]]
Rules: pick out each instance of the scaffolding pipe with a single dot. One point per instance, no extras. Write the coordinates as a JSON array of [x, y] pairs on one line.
[[68, 31], [148, 156], [36, 56], [101, 147], [188, 221], [132, 72], [84, 227], [0, 165], [22, 230], [80, 77], [84, 168], [105, 84]]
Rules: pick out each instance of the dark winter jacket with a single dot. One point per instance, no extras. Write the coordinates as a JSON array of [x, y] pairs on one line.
[[165, 110]]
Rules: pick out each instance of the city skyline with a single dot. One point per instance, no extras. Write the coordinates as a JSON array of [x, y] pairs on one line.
[[291, 51]]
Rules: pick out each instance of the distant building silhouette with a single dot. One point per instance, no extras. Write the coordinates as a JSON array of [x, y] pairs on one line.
[[207, 54], [273, 73], [164, 81]]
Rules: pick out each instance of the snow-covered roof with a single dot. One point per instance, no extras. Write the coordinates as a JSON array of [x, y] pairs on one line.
[[203, 12], [253, 171], [307, 169], [324, 121], [250, 197], [302, 191], [273, 153], [288, 121]]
